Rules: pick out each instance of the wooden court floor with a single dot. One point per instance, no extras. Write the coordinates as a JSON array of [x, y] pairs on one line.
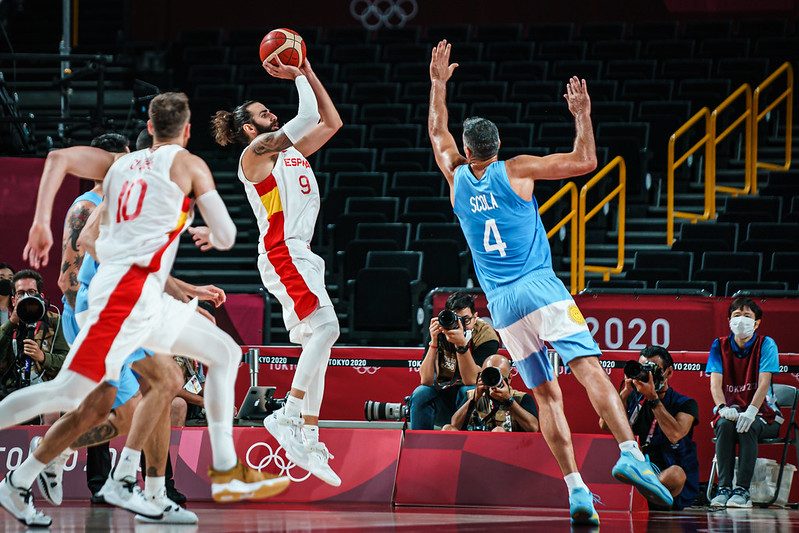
[[79, 517]]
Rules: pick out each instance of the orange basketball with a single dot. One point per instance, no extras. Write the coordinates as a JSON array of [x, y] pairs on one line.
[[285, 44]]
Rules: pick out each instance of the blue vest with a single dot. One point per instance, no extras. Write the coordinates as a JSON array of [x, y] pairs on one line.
[[504, 232]]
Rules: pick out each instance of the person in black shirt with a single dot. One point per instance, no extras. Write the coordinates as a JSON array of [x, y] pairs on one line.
[[663, 420]]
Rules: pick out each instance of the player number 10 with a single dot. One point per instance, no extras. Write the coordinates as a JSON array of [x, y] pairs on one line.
[[491, 230]]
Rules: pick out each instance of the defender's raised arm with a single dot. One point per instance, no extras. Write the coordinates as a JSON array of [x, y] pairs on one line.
[[445, 150]]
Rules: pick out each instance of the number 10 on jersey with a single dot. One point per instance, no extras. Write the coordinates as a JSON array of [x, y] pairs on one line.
[[491, 231]]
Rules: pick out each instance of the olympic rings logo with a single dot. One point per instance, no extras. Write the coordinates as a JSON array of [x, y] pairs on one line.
[[376, 14], [281, 462], [371, 370]]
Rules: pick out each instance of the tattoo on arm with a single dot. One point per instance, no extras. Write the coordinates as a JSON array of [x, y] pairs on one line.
[[77, 220], [269, 143], [97, 435]]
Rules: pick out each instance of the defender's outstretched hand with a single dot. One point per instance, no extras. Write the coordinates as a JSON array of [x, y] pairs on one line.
[[202, 237], [440, 67], [577, 96], [40, 240]]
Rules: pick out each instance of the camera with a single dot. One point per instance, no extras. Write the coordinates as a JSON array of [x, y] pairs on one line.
[[31, 308], [640, 371], [386, 411], [491, 377], [448, 319]]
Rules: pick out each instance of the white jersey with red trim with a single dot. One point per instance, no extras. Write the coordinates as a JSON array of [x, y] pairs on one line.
[[286, 203], [145, 211]]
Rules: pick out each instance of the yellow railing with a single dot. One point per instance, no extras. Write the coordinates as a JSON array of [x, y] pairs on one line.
[[621, 191], [570, 218], [672, 165], [743, 118], [758, 115]]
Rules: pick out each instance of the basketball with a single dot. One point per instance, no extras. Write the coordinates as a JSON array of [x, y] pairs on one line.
[[285, 44]]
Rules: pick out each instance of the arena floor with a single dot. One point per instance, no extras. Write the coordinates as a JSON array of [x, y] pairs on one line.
[[77, 517]]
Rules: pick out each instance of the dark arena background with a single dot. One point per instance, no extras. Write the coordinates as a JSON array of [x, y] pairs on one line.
[[694, 202]]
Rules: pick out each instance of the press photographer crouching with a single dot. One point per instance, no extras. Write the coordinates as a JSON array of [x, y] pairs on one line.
[[663, 420], [459, 344], [493, 405], [32, 344]]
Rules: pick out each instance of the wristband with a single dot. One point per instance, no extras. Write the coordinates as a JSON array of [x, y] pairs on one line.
[[507, 404], [653, 403], [718, 408]]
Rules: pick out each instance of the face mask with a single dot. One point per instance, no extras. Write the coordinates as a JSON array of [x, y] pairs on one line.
[[742, 326], [6, 287]]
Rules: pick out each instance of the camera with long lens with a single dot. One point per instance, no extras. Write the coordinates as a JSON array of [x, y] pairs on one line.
[[491, 377], [31, 309], [640, 371], [448, 319], [386, 410]]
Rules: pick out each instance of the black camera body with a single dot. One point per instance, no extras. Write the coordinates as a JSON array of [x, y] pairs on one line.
[[640, 371], [491, 377]]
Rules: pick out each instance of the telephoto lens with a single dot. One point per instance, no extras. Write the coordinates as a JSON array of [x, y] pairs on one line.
[[448, 319], [491, 377]]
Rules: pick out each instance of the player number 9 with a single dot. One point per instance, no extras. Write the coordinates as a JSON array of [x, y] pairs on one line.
[[305, 184]]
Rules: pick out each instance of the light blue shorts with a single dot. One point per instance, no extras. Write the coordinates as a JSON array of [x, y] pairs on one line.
[[534, 310]]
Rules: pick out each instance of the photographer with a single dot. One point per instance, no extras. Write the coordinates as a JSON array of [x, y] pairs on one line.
[[6, 289], [663, 421], [493, 405], [32, 344], [459, 344]]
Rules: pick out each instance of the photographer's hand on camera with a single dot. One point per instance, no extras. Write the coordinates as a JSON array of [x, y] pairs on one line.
[[500, 394], [646, 388], [32, 350]]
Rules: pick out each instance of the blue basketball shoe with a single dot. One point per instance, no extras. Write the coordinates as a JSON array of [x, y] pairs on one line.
[[642, 475], [581, 508]]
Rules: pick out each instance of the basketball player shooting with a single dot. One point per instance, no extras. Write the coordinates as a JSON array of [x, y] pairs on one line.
[[498, 213], [284, 196]]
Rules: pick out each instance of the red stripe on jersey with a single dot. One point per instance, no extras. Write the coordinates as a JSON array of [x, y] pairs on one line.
[[89, 360], [305, 301], [266, 185]]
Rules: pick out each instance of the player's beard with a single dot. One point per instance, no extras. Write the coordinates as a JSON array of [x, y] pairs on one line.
[[260, 128]]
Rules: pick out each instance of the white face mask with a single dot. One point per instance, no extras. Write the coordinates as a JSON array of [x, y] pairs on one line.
[[742, 326], [468, 335]]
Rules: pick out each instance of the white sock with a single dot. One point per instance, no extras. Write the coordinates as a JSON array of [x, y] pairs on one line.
[[224, 453], [632, 447], [293, 406], [311, 434], [153, 485], [25, 475], [574, 481], [127, 464]]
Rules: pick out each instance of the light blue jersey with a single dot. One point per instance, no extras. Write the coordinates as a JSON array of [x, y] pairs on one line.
[[505, 233], [68, 316], [529, 305]]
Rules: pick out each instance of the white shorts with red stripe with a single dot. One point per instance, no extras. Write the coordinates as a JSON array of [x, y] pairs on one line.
[[128, 309], [294, 275]]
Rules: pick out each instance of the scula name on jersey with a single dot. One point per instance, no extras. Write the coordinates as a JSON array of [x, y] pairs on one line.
[[482, 203]]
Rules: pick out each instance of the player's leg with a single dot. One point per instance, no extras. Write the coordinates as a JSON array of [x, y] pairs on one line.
[[231, 480], [157, 452], [319, 332], [603, 395], [62, 393]]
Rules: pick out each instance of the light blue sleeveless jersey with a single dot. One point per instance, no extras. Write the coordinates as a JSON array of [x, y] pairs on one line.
[[505, 233]]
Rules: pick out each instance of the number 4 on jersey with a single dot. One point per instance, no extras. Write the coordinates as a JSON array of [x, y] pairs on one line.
[[492, 231]]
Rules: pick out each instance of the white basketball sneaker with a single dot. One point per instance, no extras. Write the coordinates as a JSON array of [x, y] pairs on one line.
[[19, 502], [125, 493], [287, 431], [317, 456], [50, 480], [173, 513]]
